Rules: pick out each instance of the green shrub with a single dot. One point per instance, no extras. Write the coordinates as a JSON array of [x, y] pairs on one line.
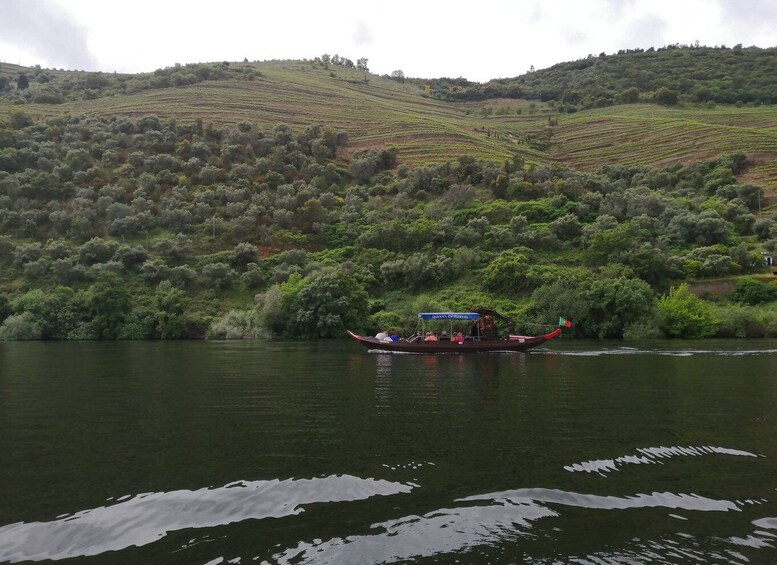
[[20, 327], [643, 329], [507, 272], [743, 321], [685, 315], [384, 320], [752, 291], [137, 324], [236, 324]]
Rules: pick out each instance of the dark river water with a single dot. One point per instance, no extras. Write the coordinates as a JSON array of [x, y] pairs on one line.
[[277, 452]]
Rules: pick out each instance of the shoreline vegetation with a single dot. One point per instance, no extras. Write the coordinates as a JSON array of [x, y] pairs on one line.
[[148, 226]]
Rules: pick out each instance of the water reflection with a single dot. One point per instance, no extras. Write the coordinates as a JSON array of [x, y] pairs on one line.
[[148, 517], [651, 455], [509, 516], [384, 367], [440, 532]]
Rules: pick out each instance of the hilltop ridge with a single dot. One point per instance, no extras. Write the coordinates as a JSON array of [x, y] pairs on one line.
[[377, 111]]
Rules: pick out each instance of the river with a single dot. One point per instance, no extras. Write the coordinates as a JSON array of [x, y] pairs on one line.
[[322, 452]]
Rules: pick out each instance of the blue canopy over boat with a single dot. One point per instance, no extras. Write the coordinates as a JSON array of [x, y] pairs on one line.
[[449, 316]]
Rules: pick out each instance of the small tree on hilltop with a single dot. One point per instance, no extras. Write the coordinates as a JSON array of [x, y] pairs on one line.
[[398, 76]]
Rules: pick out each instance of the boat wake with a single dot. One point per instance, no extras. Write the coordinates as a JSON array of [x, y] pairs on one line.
[[662, 352], [651, 456]]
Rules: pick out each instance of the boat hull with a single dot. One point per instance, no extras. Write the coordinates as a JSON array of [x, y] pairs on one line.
[[519, 343]]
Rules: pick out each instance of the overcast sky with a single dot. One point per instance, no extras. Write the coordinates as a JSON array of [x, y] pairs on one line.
[[478, 40]]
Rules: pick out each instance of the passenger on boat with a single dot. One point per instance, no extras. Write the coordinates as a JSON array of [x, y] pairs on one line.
[[430, 337], [381, 335], [393, 336], [444, 336], [459, 338]]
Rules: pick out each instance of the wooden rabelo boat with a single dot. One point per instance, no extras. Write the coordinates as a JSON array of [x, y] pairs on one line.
[[483, 336]]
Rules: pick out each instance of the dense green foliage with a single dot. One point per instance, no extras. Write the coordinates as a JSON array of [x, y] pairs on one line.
[[119, 228], [665, 75], [20, 85]]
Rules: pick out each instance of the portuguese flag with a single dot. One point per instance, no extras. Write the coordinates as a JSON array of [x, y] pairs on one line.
[[563, 322]]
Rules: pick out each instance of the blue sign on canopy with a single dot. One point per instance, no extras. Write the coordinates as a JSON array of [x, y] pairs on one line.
[[449, 316]]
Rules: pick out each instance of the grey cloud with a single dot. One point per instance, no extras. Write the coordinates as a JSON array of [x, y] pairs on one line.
[[45, 29]]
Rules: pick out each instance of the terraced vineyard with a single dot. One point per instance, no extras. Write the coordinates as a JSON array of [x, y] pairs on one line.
[[374, 113], [378, 112], [659, 136]]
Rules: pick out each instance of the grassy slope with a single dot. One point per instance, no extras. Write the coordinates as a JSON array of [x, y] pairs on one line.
[[384, 112]]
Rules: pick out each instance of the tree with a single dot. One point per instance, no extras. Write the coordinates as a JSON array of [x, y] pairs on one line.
[[96, 250], [218, 275], [5, 307], [602, 307], [665, 96], [499, 186], [108, 302], [618, 303], [630, 95], [566, 228], [19, 120], [752, 291], [331, 301], [57, 311], [22, 81], [507, 272], [170, 305], [364, 166], [685, 315], [175, 249], [361, 64], [398, 75], [20, 327], [242, 254]]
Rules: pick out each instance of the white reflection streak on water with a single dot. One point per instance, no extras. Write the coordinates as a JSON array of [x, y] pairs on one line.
[[667, 353], [442, 531], [651, 455], [459, 529], [148, 517]]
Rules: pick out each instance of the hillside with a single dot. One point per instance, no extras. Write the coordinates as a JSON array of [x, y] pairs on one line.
[[683, 73], [380, 112], [288, 200]]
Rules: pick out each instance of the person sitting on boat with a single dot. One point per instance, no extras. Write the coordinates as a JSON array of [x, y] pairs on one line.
[[392, 336], [444, 336], [430, 337], [381, 335], [459, 338]]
